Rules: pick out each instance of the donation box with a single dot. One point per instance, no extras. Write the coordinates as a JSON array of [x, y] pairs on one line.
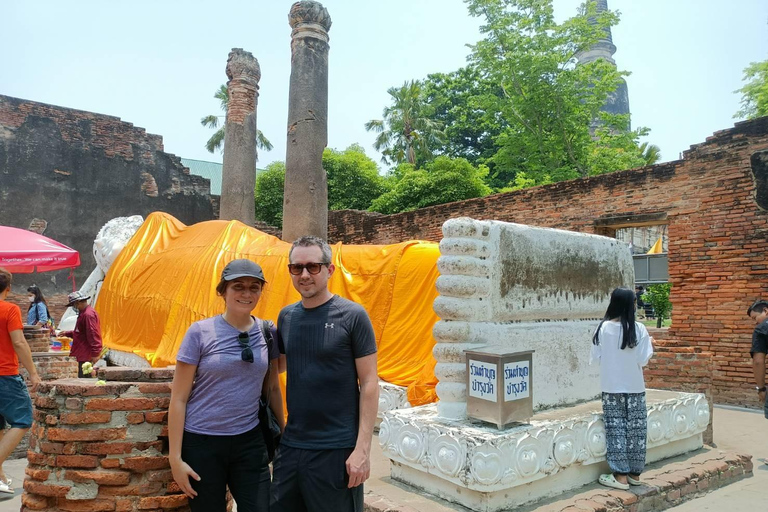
[[499, 386]]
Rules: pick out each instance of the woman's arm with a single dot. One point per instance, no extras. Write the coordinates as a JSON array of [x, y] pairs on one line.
[[275, 394], [180, 389]]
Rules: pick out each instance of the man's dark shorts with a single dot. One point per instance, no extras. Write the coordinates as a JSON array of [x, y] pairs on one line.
[[313, 481], [15, 404]]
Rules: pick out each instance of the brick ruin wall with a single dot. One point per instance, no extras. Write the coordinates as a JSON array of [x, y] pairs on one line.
[[714, 202], [66, 172]]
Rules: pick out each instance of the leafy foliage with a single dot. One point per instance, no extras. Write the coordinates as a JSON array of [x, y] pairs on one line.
[[657, 295], [453, 102], [406, 132], [441, 181], [217, 139], [353, 179], [754, 94], [268, 194], [353, 183]]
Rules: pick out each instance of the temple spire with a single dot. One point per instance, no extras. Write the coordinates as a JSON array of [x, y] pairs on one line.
[[618, 101], [604, 48]]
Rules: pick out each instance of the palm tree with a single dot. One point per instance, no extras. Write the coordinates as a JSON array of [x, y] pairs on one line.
[[217, 139], [651, 153], [406, 134]]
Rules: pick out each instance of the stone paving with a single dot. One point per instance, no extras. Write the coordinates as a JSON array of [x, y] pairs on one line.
[[736, 430]]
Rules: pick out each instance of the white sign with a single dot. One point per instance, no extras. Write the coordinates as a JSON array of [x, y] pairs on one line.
[[482, 380], [517, 380]]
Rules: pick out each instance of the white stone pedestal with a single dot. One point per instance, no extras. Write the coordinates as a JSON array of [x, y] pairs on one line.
[[488, 470]]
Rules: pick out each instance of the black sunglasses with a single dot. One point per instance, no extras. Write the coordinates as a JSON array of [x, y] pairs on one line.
[[243, 339], [313, 268]]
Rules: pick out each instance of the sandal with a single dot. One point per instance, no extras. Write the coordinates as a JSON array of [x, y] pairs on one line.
[[609, 480], [5, 487], [633, 481]]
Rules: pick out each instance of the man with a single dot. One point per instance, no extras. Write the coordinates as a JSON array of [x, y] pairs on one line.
[[329, 345], [15, 404], [86, 338], [759, 313]]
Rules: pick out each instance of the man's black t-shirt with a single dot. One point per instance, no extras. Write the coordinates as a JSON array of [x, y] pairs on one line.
[[322, 391], [760, 339]]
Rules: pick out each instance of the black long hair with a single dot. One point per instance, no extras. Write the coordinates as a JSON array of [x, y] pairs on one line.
[[34, 290], [622, 306]]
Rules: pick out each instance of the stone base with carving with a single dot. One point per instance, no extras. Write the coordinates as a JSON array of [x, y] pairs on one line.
[[391, 398], [488, 470]]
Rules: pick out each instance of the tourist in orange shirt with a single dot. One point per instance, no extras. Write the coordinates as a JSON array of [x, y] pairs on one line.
[[15, 404]]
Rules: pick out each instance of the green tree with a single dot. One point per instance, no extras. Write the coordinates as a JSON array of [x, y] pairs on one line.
[[547, 103], [353, 179], [353, 183], [469, 131], [406, 133], [657, 295], [651, 153], [754, 94], [441, 181], [217, 139], [268, 195]]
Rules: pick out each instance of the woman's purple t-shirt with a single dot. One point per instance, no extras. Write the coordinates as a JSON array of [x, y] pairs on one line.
[[224, 400]]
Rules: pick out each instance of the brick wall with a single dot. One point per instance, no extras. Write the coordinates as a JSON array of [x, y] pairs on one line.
[[102, 447], [67, 172], [717, 235], [676, 366]]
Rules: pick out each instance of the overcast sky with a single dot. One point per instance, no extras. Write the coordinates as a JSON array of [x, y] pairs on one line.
[[157, 63]]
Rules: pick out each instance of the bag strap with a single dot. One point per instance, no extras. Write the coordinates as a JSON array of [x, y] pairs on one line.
[[266, 331]]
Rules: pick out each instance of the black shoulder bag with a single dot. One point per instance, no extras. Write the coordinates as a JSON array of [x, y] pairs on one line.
[[269, 426]]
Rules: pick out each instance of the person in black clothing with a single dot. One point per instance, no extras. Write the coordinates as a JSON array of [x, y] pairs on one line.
[[332, 391], [759, 313], [639, 291]]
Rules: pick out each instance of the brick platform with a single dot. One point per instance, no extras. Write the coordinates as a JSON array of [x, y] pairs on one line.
[[666, 484], [102, 447]]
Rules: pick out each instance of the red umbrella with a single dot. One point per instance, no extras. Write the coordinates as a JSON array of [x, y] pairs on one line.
[[24, 252]]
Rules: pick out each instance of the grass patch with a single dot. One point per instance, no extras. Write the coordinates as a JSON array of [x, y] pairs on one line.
[[651, 322]]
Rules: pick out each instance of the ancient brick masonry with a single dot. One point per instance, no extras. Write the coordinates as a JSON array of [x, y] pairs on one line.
[[59, 165], [718, 235], [102, 448]]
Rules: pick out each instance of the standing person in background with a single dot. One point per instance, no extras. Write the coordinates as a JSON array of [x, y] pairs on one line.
[[759, 313], [86, 338], [15, 404], [623, 347], [37, 313], [215, 440], [332, 391]]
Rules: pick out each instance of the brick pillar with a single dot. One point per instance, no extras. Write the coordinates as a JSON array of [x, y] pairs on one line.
[[675, 366], [238, 174], [50, 366], [102, 447], [37, 338]]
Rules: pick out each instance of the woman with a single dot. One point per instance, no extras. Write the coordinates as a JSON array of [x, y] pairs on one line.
[[623, 347], [215, 440], [37, 313]]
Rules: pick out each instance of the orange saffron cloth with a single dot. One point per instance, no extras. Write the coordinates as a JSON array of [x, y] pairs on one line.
[[165, 278]]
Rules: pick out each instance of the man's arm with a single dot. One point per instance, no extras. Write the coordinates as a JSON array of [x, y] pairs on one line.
[[21, 347], [359, 463], [758, 368]]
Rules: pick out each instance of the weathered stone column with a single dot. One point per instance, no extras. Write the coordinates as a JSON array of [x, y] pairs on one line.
[[239, 171], [305, 203]]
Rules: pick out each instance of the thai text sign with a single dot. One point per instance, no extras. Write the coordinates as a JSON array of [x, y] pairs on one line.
[[517, 380], [482, 380]]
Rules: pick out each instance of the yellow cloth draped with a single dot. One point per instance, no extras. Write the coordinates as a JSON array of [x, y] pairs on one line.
[[657, 247], [165, 279]]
